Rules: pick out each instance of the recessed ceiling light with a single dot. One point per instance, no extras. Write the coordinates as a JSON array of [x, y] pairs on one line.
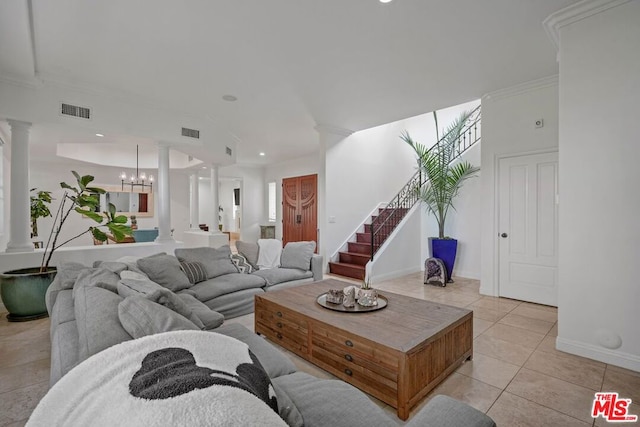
[[385, 1], [262, 154], [204, 167], [99, 134], [229, 98]]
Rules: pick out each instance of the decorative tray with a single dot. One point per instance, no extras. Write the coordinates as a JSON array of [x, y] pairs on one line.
[[322, 300]]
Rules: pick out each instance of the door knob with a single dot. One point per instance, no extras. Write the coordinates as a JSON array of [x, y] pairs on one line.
[[503, 235]]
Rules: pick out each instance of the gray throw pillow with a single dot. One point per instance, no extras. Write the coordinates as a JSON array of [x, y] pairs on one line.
[[286, 408], [249, 251], [195, 271], [210, 319], [165, 270], [216, 261], [297, 255], [141, 317], [156, 293]]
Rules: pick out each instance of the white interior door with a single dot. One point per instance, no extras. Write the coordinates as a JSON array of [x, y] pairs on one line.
[[528, 228]]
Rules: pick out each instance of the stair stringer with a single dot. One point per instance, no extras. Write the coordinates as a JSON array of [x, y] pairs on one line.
[[335, 257], [402, 250]]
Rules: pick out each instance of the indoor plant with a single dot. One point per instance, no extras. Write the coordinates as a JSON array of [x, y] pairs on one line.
[[23, 290], [39, 207], [441, 182]]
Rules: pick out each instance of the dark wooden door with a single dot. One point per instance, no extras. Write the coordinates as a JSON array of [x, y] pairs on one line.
[[300, 209]]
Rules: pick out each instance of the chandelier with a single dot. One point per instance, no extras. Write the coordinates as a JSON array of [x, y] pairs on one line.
[[137, 180]]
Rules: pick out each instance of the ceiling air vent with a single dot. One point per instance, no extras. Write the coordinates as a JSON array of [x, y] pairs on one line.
[[228, 151], [75, 111], [191, 133]]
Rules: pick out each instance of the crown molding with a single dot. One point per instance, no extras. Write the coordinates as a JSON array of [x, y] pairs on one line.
[[574, 13], [522, 88], [335, 130]]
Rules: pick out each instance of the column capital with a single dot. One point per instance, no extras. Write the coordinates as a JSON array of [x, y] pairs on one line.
[[19, 124]]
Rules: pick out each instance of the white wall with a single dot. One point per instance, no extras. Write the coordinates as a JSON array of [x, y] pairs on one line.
[[508, 118], [252, 198], [599, 295], [276, 172], [370, 167], [227, 202]]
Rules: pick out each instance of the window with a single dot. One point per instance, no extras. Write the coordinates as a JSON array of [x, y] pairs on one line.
[[272, 202]]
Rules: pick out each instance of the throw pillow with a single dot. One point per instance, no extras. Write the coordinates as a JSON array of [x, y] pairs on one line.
[[184, 378], [297, 255], [156, 293], [195, 271], [241, 263], [210, 319], [217, 262], [141, 317], [165, 270], [269, 253], [249, 251]]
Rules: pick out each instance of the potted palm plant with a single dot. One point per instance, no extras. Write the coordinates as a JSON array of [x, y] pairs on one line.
[[441, 182], [23, 290]]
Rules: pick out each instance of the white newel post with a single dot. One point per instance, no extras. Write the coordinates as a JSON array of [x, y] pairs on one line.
[[19, 231], [194, 202], [164, 196], [215, 201]]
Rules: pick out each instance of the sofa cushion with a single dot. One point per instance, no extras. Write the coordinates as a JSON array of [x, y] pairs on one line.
[[196, 272], [210, 319], [96, 311], [331, 402], [226, 284], [216, 261], [141, 317], [249, 251], [444, 411], [241, 263], [165, 270], [275, 362], [287, 410], [100, 277], [156, 293], [274, 276], [65, 279], [297, 255], [235, 304]]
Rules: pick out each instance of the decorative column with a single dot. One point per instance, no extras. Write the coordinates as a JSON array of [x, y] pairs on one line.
[[215, 201], [194, 202], [164, 196], [19, 232]]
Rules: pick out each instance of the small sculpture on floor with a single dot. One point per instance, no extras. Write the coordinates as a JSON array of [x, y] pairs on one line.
[[435, 272]]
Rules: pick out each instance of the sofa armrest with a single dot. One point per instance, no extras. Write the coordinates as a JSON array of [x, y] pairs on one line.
[[443, 411], [316, 267]]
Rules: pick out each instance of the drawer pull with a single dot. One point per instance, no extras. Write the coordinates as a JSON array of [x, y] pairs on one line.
[[279, 324], [279, 313], [348, 372], [279, 335], [348, 357], [348, 343]]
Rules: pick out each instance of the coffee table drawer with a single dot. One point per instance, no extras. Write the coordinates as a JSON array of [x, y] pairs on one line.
[[343, 344], [372, 382]]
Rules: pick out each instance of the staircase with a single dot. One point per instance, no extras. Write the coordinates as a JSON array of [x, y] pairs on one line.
[[371, 236]]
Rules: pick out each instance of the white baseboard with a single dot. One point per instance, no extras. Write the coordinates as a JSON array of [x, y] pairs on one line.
[[394, 274], [612, 357]]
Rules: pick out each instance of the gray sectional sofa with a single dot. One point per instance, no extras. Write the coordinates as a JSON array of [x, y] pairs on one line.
[[232, 282], [93, 309]]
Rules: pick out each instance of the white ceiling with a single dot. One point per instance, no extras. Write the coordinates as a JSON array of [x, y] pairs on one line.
[[292, 64]]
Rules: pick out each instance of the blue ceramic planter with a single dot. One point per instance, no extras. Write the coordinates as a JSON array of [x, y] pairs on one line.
[[23, 293], [445, 249]]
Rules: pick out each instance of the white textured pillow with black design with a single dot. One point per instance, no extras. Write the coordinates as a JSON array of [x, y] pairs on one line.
[[242, 263], [196, 271]]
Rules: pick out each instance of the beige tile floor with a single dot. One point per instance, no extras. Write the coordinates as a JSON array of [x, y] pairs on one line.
[[516, 375]]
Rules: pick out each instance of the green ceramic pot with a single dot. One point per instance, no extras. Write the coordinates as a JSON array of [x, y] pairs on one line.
[[23, 293]]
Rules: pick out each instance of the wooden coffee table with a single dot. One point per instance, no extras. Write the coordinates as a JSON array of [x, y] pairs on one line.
[[397, 354]]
